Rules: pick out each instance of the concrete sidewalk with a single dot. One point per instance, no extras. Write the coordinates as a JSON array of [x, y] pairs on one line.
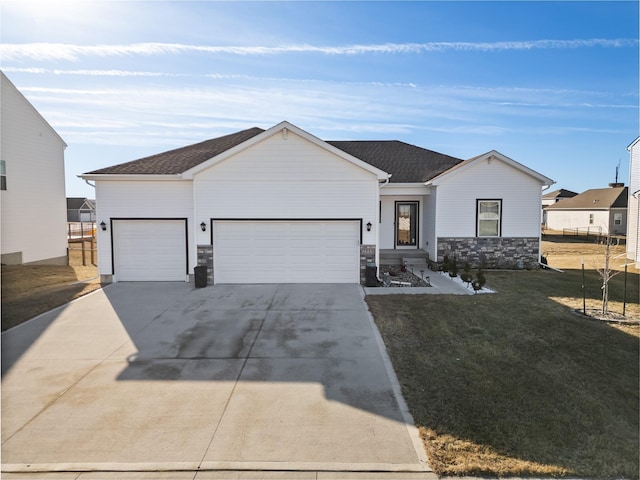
[[204, 383], [439, 284]]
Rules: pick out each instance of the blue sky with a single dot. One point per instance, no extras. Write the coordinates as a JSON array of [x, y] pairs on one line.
[[553, 85]]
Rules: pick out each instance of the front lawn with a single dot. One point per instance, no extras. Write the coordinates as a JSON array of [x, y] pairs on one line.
[[515, 383]]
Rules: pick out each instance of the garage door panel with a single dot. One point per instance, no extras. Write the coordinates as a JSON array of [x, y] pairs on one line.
[[149, 250], [286, 252]]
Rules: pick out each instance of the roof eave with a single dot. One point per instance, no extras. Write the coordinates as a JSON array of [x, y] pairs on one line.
[[130, 177]]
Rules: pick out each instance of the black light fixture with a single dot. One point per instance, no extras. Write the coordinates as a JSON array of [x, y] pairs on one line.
[[369, 226], [203, 226], [103, 226]]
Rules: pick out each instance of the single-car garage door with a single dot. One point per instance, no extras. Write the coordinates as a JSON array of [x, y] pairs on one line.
[[286, 251], [149, 250]]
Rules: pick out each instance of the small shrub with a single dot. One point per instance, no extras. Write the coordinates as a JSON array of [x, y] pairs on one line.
[[445, 264], [453, 268], [480, 280], [466, 275]]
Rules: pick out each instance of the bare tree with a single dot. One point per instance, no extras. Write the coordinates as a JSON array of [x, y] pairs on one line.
[[606, 273]]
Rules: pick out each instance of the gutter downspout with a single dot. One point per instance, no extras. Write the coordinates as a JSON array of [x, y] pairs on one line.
[[386, 181]]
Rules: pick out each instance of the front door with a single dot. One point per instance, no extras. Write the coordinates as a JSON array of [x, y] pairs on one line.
[[407, 224]]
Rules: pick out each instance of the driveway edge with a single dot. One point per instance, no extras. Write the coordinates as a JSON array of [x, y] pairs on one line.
[[414, 435]]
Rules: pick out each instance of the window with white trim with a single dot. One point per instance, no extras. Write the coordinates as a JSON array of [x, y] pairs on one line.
[[617, 219], [591, 219], [489, 218]]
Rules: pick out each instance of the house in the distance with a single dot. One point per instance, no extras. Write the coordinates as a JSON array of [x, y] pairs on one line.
[[599, 211], [552, 198], [32, 183], [281, 205], [81, 209], [633, 223]]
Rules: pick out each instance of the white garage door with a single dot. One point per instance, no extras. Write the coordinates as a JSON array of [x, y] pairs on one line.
[[286, 251], [149, 250]]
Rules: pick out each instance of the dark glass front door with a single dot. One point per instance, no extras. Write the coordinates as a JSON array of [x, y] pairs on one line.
[[406, 224]]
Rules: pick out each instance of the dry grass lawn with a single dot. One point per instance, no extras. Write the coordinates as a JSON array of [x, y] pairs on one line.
[[515, 383], [29, 290]]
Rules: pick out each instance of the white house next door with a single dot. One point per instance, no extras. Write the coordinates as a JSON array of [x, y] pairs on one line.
[[406, 224]]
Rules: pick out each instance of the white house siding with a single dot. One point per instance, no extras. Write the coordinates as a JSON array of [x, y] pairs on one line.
[[34, 210], [287, 179], [578, 219], [141, 200], [633, 221], [521, 197], [430, 238]]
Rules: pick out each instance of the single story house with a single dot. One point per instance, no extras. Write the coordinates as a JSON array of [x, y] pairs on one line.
[[633, 223], [32, 183], [81, 209], [599, 211], [281, 205]]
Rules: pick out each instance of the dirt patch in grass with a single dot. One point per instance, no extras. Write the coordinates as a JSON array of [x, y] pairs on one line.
[[29, 290], [516, 384]]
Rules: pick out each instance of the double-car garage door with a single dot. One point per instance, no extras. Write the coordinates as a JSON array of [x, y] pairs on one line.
[[245, 251]]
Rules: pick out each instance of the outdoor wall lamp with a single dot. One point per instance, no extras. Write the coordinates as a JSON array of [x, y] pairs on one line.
[[203, 226], [368, 226], [103, 226]]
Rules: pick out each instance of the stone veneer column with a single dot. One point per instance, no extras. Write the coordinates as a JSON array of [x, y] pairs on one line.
[[367, 255], [205, 257]]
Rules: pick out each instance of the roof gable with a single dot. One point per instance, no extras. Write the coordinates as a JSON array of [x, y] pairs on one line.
[[594, 199], [489, 157], [6, 83], [285, 128]]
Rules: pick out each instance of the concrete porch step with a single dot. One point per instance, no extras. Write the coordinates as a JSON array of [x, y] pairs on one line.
[[397, 257]]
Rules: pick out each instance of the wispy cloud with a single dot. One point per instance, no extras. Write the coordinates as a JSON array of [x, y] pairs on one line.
[[71, 52]]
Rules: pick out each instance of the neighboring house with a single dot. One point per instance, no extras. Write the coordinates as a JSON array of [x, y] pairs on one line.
[[32, 183], [280, 205], [81, 209], [633, 223], [552, 198], [600, 211]]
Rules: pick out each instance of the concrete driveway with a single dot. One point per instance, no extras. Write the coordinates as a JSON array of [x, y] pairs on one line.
[[163, 376]]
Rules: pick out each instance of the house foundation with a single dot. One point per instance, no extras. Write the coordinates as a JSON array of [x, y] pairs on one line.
[[503, 252]]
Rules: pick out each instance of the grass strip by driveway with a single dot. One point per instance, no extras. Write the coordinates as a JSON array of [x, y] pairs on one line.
[[514, 383], [29, 290]]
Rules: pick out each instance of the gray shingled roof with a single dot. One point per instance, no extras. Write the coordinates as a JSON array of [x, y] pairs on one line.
[[594, 199], [407, 163], [561, 193], [181, 159]]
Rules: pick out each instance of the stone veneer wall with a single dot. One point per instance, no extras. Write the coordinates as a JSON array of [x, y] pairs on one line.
[[205, 257], [502, 252], [367, 255]]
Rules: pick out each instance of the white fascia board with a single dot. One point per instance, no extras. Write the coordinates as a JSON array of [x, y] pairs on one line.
[[404, 189], [490, 156], [284, 127], [126, 177]]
